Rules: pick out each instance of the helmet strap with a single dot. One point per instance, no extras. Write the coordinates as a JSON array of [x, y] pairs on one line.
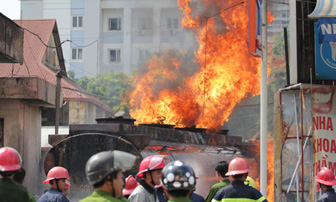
[[56, 181]]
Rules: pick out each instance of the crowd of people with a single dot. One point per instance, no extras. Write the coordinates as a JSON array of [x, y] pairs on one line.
[[159, 180]]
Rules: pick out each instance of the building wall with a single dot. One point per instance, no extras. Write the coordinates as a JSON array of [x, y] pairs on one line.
[[81, 112], [97, 41], [22, 131]]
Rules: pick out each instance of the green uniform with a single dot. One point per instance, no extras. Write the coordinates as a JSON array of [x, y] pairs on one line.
[[31, 196], [102, 196], [180, 199], [9, 191], [214, 188]]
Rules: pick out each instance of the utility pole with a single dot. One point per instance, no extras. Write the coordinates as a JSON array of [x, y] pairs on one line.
[[57, 101], [263, 101]]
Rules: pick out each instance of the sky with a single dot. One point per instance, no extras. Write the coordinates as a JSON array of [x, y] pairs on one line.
[[10, 8]]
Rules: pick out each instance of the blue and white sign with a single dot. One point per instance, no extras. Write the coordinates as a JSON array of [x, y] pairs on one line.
[[325, 49]]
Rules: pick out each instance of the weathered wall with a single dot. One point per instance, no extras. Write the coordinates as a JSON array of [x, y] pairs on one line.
[[22, 131], [81, 112]]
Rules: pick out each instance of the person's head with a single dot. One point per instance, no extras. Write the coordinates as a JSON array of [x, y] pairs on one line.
[[178, 179], [326, 178], [10, 161], [238, 169], [104, 170], [57, 177], [221, 169], [19, 176], [150, 169], [130, 185]]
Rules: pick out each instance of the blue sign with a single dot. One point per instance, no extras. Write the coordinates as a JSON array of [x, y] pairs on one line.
[[326, 28], [325, 52]]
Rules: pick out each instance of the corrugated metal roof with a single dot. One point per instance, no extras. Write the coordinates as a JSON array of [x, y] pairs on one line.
[[324, 9], [33, 52]]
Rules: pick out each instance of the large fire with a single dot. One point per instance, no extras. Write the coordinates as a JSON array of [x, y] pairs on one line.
[[227, 72]]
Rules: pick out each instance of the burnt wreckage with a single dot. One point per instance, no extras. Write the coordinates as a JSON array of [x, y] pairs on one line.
[[199, 149]]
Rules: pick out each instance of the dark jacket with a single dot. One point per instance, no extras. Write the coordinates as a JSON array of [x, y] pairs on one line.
[[9, 191], [238, 191], [328, 195], [53, 195]]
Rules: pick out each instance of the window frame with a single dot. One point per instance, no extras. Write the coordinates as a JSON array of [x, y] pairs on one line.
[[118, 24], [117, 55], [78, 54], [79, 23]]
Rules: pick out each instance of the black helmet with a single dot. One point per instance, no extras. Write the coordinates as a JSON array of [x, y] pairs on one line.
[[178, 176], [102, 164]]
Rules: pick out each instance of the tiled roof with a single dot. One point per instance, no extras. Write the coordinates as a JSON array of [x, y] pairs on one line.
[[33, 52]]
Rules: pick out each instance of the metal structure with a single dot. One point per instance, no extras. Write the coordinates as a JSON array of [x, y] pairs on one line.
[[201, 150]]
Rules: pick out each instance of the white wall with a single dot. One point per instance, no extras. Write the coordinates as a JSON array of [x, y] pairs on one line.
[[91, 33]]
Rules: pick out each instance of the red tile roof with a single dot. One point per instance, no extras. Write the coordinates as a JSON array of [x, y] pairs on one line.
[[33, 52]]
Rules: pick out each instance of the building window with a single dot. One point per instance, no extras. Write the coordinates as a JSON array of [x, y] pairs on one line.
[[143, 26], [77, 53], [143, 55], [115, 55], [172, 23], [77, 21], [114, 24]]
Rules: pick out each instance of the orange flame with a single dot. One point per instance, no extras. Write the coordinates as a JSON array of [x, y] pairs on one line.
[[227, 72]]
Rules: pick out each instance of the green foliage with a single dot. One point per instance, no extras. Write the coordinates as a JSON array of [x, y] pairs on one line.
[[112, 88], [109, 88]]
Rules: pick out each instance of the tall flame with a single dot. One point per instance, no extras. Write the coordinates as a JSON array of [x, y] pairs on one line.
[[227, 73]]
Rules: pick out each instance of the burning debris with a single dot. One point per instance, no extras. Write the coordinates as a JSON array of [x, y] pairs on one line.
[[226, 71]]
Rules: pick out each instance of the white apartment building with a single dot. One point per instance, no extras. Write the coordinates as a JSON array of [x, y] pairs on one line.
[[112, 35]]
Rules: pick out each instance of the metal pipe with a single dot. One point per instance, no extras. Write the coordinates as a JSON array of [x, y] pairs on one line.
[[299, 160], [286, 56], [263, 102]]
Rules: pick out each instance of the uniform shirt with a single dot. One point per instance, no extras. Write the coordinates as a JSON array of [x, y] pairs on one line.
[[53, 195], [214, 189], [237, 191], [328, 195], [31, 196], [196, 198], [143, 193], [180, 199], [9, 191], [102, 196]]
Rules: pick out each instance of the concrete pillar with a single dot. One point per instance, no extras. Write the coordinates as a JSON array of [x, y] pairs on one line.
[[126, 51]]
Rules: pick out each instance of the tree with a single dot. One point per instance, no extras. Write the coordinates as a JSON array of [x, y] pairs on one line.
[[109, 88]]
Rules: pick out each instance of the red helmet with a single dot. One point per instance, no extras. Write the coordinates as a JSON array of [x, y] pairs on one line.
[[57, 172], [10, 159], [238, 166], [152, 163], [131, 184], [326, 177]]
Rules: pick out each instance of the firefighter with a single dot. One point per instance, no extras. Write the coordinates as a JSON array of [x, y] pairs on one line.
[[104, 171], [326, 180], [56, 177], [250, 182], [221, 169], [150, 172], [130, 185], [237, 190], [10, 161], [178, 181], [18, 178]]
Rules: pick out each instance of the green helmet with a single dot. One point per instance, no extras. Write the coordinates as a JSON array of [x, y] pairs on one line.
[[100, 165]]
